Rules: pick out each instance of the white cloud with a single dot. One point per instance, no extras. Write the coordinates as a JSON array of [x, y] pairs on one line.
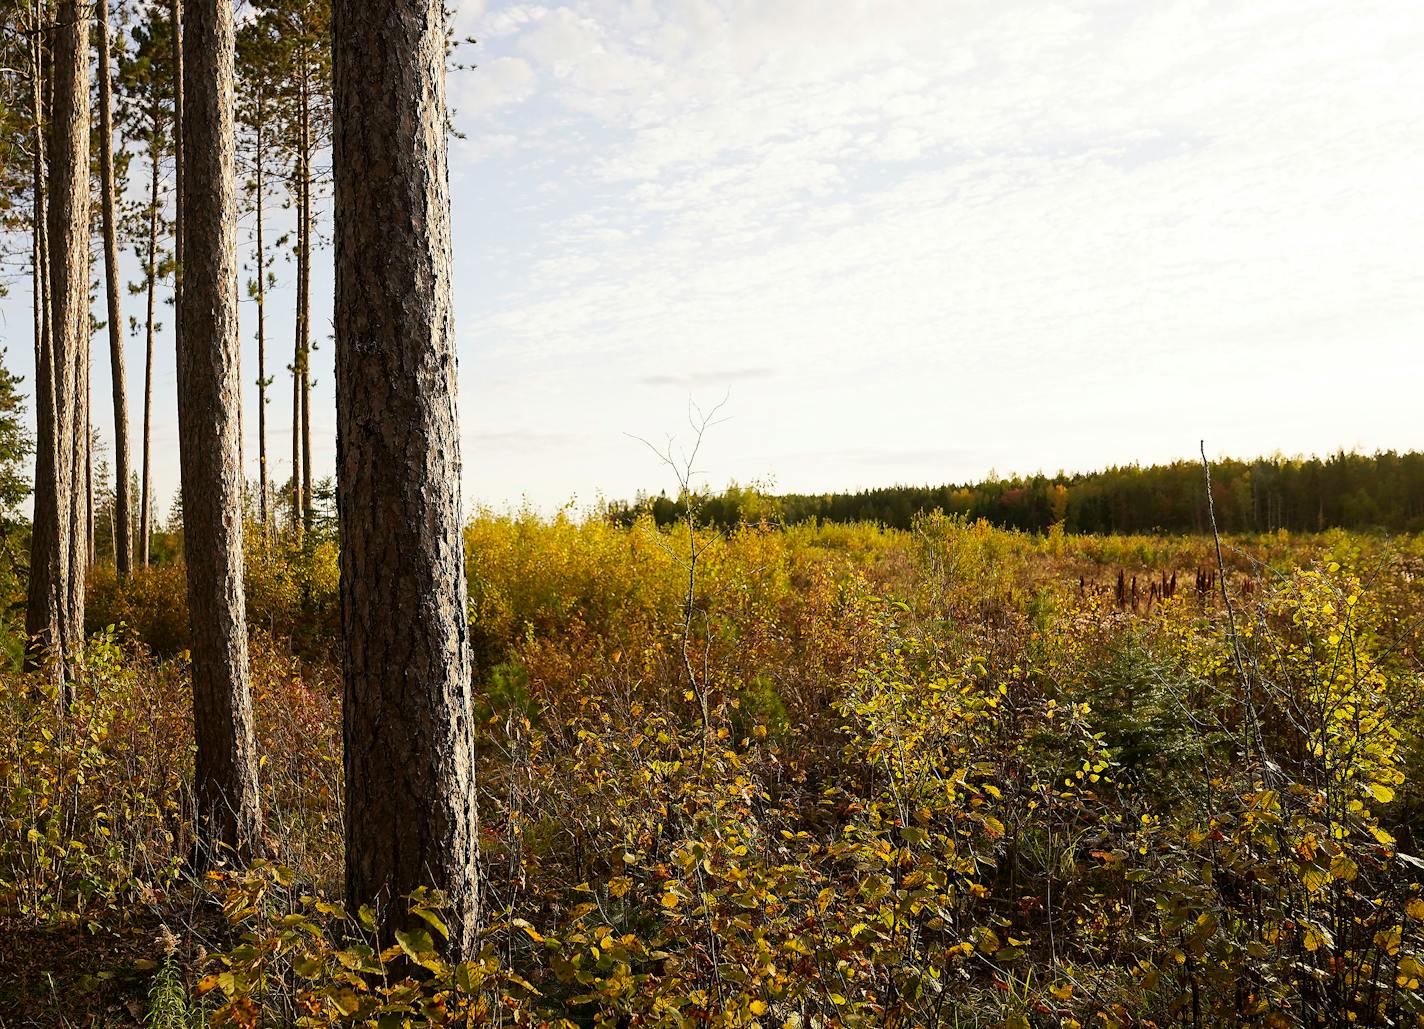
[[1078, 232], [917, 238], [502, 82]]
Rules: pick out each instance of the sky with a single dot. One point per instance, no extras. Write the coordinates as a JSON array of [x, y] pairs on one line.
[[908, 241]]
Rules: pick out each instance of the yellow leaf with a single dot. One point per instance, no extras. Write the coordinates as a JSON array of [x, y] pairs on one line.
[[1380, 792], [1316, 937], [1344, 868], [1388, 940], [1381, 837]]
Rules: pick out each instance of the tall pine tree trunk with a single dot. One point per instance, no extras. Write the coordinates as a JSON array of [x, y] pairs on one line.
[[263, 500], [297, 430], [179, 161], [145, 529], [209, 395], [411, 818], [304, 292], [69, 211], [298, 355], [44, 604], [58, 613]]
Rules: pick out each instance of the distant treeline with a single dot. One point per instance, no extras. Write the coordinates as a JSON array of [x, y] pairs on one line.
[[1346, 490]]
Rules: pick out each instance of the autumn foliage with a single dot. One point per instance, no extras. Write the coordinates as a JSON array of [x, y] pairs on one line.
[[948, 776]]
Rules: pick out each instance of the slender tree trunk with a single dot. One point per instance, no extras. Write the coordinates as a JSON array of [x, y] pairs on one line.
[[261, 328], [304, 296], [209, 394], [145, 529], [45, 599], [307, 506], [39, 272], [297, 436], [298, 355], [411, 818], [179, 161]]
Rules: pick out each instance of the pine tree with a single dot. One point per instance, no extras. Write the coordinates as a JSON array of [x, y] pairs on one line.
[[256, 48], [298, 72], [209, 397], [123, 550], [55, 617], [408, 722], [146, 97]]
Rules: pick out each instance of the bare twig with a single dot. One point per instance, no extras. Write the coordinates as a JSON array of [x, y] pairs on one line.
[[685, 470], [1253, 725]]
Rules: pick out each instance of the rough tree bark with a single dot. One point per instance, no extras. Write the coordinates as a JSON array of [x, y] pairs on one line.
[[69, 232], [44, 604], [55, 615], [209, 393], [411, 818]]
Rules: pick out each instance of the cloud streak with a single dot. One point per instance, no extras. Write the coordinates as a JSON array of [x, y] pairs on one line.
[[707, 379]]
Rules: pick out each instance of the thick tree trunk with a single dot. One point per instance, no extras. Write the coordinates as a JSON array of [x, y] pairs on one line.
[[64, 534], [209, 393], [69, 234], [145, 528], [411, 818], [44, 603]]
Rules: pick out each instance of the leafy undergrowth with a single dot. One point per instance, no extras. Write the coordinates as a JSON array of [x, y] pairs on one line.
[[958, 777]]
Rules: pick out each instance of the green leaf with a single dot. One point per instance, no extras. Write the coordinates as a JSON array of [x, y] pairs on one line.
[[416, 943], [433, 920]]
